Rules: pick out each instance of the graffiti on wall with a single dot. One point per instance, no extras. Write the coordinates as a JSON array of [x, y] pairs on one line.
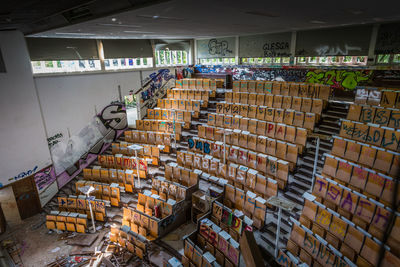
[[388, 39], [347, 79], [154, 83], [218, 48], [111, 122], [23, 174], [46, 184], [326, 50], [251, 73], [51, 141], [183, 72], [276, 49], [155, 87], [44, 178]]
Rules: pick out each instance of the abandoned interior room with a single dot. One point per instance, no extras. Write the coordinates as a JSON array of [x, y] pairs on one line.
[[199, 134]]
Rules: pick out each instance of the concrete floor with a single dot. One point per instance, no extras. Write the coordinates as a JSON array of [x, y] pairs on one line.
[[38, 247]]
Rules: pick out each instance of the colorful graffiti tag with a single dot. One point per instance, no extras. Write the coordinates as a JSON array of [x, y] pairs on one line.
[[155, 82], [347, 79], [44, 178], [112, 124], [251, 73]]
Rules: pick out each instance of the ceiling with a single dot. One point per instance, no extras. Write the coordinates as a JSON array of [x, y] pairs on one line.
[[187, 18]]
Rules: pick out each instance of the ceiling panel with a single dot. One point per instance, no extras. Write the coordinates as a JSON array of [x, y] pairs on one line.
[[199, 19]]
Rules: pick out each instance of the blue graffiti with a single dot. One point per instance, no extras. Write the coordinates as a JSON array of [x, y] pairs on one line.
[[191, 143], [24, 174], [155, 82]]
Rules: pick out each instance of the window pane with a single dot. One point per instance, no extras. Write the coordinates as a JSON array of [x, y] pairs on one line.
[[383, 58], [162, 57], [179, 57], [301, 60], [185, 61], [168, 57], [286, 60], [347, 59]]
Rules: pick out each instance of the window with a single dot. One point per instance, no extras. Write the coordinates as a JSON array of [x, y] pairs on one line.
[[128, 63], [65, 66], [312, 60], [301, 60], [259, 61], [286, 60], [334, 60], [171, 58], [347, 60], [217, 61], [265, 60], [276, 60], [383, 59], [361, 60], [396, 58]]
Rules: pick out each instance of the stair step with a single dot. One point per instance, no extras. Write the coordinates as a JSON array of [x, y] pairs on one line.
[[294, 198], [312, 154], [325, 126], [337, 112], [332, 116], [327, 132], [307, 164], [284, 229], [334, 124], [298, 191], [302, 184], [323, 148], [305, 172], [338, 108], [310, 159], [325, 142], [302, 176]]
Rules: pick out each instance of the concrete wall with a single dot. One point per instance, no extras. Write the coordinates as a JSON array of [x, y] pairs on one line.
[[70, 101], [23, 142]]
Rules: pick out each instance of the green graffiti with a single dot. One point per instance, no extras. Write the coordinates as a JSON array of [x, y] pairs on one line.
[[344, 79]]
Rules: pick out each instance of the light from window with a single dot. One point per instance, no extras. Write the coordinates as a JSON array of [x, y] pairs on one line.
[[276, 60], [334, 60], [312, 60], [323, 60], [383, 59], [286, 60], [301, 60], [347, 59], [128, 63], [217, 61], [396, 58], [171, 58], [65, 66], [259, 61]]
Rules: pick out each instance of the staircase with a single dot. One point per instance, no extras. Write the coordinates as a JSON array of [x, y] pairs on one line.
[[301, 179]]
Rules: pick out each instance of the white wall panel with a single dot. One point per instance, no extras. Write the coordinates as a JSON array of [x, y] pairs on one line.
[[23, 143]]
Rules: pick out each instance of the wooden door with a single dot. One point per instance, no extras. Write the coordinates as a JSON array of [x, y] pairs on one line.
[[27, 198]]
